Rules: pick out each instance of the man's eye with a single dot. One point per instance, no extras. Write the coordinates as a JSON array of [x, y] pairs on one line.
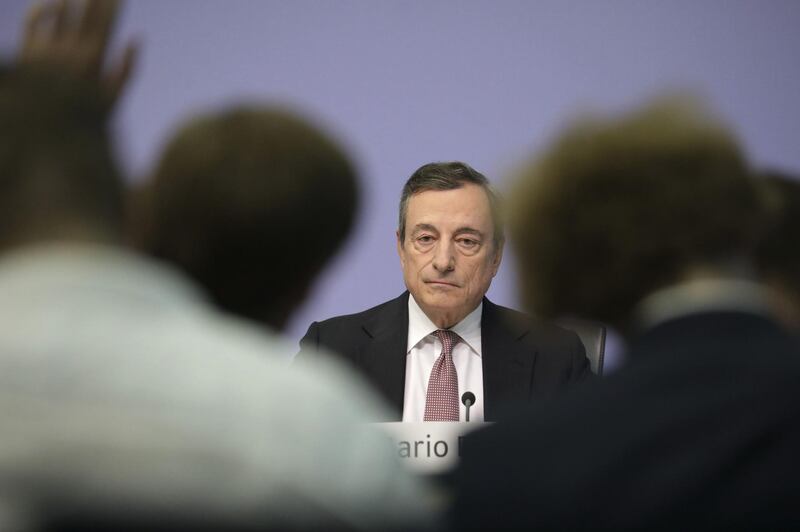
[[468, 242], [425, 239]]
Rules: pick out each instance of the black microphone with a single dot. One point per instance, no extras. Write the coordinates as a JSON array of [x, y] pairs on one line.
[[468, 399]]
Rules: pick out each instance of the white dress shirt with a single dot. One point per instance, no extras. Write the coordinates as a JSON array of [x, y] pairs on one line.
[[121, 387], [423, 350]]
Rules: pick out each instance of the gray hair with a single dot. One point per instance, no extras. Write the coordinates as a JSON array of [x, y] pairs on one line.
[[449, 176]]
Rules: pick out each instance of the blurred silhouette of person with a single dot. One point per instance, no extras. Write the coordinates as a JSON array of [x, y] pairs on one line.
[[450, 241], [127, 399], [778, 252], [251, 202], [646, 222]]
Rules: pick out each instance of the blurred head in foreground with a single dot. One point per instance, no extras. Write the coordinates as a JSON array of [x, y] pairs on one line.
[[58, 180], [618, 208], [778, 253], [251, 202]]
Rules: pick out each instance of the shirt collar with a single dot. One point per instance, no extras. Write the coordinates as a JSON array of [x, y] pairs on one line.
[[420, 327], [702, 296], [83, 268]]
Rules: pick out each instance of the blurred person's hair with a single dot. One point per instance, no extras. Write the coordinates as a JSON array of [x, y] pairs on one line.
[[778, 252], [251, 202], [620, 207], [449, 176], [58, 179]]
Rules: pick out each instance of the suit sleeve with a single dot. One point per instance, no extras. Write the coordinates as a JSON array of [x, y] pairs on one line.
[[581, 369]]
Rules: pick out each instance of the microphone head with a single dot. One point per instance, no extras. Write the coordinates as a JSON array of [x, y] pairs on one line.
[[468, 396]]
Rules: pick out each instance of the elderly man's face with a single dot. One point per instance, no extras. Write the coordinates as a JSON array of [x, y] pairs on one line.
[[449, 257]]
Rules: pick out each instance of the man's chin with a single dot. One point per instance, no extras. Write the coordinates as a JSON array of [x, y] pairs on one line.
[[443, 297], [442, 302]]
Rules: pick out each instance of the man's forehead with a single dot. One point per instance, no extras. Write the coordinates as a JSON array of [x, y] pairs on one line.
[[420, 227], [467, 197], [450, 209]]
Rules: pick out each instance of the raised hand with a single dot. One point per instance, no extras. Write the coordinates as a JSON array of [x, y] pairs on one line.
[[74, 35]]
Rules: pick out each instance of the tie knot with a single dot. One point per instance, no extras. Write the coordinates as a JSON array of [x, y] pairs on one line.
[[448, 339]]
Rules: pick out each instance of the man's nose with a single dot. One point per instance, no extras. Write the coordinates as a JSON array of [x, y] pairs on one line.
[[443, 259]]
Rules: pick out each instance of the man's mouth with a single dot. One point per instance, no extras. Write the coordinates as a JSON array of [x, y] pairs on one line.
[[442, 284]]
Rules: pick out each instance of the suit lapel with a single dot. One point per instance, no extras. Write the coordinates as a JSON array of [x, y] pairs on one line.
[[384, 356], [507, 361]]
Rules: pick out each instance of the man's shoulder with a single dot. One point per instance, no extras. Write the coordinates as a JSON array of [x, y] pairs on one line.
[[388, 309], [523, 324]]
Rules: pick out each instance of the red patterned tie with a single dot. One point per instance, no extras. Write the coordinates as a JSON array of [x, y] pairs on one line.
[[441, 401]]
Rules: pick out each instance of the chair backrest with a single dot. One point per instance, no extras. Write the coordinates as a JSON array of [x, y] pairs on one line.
[[593, 336]]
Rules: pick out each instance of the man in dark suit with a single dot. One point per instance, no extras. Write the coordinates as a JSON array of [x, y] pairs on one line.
[[700, 429], [778, 255], [442, 338]]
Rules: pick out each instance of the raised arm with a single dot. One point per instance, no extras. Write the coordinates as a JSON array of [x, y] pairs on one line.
[[75, 36]]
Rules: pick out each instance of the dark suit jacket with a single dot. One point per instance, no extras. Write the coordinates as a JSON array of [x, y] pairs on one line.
[[522, 358], [700, 430]]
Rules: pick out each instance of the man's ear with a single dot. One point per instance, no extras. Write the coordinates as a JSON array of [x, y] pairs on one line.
[[498, 256], [400, 250]]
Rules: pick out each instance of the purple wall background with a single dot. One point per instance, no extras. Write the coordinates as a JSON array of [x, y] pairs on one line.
[[405, 83]]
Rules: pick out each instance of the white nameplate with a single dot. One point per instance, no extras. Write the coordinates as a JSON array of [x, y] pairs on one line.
[[432, 446]]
